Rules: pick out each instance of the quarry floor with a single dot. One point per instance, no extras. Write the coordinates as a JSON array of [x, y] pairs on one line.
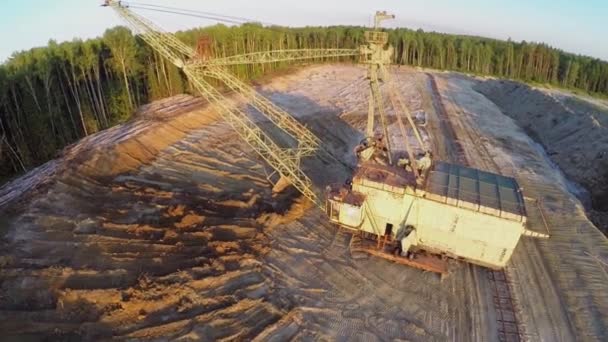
[[166, 228]]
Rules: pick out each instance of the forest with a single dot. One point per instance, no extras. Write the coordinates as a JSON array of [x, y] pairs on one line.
[[52, 96]]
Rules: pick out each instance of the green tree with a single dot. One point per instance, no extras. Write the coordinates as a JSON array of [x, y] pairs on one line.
[[50, 97], [122, 45]]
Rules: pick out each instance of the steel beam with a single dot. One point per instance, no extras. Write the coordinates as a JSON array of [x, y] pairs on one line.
[[307, 141], [379, 104], [286, 162], [251, 133], [279, 56]]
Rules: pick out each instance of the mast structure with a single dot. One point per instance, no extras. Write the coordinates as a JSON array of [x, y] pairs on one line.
[[377, 54], [285, 161]]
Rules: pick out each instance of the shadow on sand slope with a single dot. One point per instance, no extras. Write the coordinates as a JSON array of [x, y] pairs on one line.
[[170, 247]]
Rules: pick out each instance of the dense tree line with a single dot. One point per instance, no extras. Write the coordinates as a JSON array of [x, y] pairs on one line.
[[55, 95], [523, 61]]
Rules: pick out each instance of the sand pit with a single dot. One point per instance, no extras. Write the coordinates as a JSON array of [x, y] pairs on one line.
[[132, 236], [573, 130]]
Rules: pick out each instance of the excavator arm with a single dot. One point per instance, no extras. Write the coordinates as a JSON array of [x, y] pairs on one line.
[[308, 142], [163, 42], [284, 161]]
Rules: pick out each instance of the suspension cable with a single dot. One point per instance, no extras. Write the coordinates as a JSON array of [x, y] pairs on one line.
[[228, 17], [196, 14], [204, 15], [209, 16], [189, 15]]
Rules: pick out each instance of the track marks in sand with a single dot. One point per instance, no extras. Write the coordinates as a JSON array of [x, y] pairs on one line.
[[166, 249]]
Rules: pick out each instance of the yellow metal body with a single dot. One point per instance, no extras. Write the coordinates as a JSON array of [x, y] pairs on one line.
[[455, 227]]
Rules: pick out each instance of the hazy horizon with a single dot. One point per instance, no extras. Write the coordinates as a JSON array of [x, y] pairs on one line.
[[573, 28]]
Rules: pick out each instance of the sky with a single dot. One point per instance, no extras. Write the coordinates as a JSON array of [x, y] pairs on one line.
[[574, 26]]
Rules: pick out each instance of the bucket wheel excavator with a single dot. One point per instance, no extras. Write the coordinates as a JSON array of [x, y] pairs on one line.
[[402, 207]]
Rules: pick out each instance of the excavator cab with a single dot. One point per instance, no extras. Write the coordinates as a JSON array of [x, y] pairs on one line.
[[344, 207]]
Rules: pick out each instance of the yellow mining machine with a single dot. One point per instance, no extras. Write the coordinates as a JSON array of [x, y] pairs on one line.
[[415, 210], [404, 206]]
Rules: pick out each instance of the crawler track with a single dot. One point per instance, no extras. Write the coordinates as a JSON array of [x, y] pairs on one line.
[[423, 262], [508, 325]]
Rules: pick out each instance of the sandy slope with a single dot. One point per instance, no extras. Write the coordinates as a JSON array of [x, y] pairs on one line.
[[573, 130], [165, 227], [561, 283]]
